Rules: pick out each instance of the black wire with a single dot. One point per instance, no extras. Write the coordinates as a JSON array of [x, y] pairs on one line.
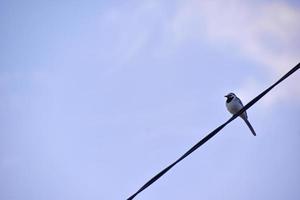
[[213, 133]]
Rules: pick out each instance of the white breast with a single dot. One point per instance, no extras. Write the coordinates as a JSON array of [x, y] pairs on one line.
[[234, 106]]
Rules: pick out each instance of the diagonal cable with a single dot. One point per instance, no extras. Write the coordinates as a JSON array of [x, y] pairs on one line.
[[214, 132]]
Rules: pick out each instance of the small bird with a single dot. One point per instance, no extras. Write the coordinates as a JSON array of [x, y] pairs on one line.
[[234, 105]]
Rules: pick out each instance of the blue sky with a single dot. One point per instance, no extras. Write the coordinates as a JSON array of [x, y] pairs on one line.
[[98, 96]]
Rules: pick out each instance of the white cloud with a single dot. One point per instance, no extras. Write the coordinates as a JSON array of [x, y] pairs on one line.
[[264, 32], [129, 28]]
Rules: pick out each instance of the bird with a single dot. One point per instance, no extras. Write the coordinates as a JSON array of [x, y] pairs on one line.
[[234, 105]]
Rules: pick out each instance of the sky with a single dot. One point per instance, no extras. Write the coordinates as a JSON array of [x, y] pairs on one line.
[[99, 96]]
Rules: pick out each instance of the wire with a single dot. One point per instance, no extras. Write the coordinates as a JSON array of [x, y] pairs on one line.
[[214, 132]]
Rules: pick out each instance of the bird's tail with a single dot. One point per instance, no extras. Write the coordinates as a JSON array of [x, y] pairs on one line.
[[249, 125]]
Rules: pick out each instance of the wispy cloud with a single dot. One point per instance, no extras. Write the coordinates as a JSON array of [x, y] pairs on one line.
[[130, 30], [264, 32]]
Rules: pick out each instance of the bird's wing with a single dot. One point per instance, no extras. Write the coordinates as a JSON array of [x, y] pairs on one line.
[[239, 101]]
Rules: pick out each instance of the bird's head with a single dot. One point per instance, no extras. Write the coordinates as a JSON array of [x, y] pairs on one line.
[[230, 95]]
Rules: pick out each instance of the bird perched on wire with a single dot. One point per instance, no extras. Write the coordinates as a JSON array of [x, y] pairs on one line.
[[234, 105]]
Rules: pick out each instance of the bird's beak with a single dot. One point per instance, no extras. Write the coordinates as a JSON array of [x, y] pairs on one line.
[[226, 96]]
